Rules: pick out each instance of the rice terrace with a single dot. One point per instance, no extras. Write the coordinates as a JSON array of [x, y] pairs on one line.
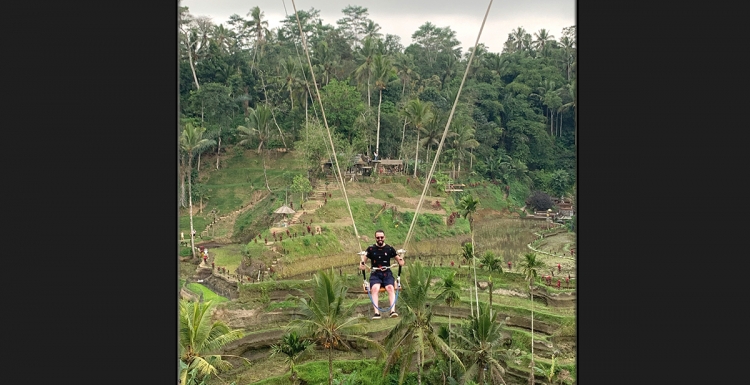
[[299, 144]]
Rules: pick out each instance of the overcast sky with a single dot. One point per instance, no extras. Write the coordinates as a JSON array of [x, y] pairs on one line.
[[404, 17]]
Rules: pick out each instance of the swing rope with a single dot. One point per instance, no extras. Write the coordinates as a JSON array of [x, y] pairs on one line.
[[445, 133], [340, 179]]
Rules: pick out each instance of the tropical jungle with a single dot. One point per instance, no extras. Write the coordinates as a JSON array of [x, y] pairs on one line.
[[298, 143]]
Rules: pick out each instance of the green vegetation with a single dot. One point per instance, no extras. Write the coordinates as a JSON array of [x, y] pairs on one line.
[[206, 293], [252, 139]]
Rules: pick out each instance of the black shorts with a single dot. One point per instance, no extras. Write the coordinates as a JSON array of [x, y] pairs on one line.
[[384, 278]]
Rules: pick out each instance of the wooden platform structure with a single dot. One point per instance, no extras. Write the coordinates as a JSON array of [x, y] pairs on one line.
[[388, 166], [452, 187]]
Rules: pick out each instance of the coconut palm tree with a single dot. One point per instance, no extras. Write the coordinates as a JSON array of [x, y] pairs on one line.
[[259, 29], [450, 292], [326, 320], [382, 69], [418, 113], [293, 348], [529, 270], [200, 340], [460, 143], [190, 141], [366, 56], [290, 78], [415, 333], [433, 131], [258, 121], [467, 253], [405, 69], [467, 207], [480, 345], [542, 41]]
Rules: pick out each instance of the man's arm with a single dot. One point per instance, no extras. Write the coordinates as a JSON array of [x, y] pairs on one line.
[[398, 257]]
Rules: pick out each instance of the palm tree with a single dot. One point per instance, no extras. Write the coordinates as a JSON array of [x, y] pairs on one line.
[[460, 143], [529, 269], [372, 30], [190, 141], [326, 320], [433, 131], [418, 113], [188, 37], [480, 343], [415, 332], [382, 68], [491, 261], [293, 348], [223, 38], [325, 57], [450, 292], [258, 121], [200, 339], [514, 169], [290, 78], [259, 28], [518, 36], [542, 41], [404, 65], [366, 56], [467, 207]]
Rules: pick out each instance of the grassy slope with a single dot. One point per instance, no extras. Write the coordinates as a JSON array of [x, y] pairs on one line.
[[233, 185]]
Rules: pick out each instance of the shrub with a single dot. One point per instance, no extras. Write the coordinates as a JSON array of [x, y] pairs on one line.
[[540, 201]]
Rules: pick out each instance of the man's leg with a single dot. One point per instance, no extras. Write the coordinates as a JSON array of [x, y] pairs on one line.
[[375, 293], [391, 296]]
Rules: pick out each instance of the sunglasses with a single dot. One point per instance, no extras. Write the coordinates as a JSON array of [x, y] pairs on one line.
[[379, 237]]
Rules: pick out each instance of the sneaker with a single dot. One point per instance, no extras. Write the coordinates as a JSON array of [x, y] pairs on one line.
[[394, 314], [376, 316]]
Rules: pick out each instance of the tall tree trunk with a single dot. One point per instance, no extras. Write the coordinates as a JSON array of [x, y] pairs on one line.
[[377, 137], [199, 162], [401, 150], [419, 367], [474, 260], [263, 82], [330, 365], [531, 376], [549, 113], [246, 101], [265, 176], [368, 93], [416, 155], [489, 284], [218, 150], [471, 303], [182, 182], [190, 60], [190, 197], [450, 359]]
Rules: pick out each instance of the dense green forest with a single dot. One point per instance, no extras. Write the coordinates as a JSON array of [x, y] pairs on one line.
[[242, 83]]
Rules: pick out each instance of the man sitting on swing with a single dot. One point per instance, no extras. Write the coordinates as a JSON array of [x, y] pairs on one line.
[[380, 254]]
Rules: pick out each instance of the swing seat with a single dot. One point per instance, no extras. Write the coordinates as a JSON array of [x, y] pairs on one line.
[[382, 289]]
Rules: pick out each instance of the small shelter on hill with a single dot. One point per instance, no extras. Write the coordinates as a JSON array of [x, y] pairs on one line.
[[357, 165], [388, 166], [284, 209]]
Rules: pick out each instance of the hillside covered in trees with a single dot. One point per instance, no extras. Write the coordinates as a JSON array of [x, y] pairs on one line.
[[242, 83]]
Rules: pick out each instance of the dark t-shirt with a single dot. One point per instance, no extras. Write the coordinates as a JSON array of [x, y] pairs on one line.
[[381, 256]]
